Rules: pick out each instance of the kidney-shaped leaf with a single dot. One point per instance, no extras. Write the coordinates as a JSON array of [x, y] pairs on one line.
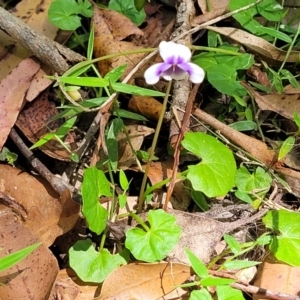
[[215, 174], [286, 247], [156, 243], [90, 265]]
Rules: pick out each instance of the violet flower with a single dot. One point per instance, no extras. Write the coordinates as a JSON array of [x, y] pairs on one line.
[[176, 64]]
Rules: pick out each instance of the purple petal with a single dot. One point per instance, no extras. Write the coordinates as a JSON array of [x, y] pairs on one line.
[[153, 73], [173, 73], [196, 73]]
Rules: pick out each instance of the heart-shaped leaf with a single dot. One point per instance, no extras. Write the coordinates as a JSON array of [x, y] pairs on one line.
[[154, 244], [94, 185], [286, 247], [214, 175], [90, 265]]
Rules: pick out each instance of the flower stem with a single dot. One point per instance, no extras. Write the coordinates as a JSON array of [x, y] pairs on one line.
[[152, 149]]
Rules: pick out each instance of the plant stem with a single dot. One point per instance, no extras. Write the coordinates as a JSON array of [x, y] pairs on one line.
[[152, 149], [290, 49], [103, 238], [140, 221], [217, 50]]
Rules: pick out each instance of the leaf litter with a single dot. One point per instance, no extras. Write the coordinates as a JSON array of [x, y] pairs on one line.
[[49, 215]]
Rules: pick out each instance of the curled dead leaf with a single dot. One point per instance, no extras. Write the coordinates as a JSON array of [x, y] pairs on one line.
[[149, 107], [13, 89], [49, 215], [283, 104], [111, 28], [257, 45]]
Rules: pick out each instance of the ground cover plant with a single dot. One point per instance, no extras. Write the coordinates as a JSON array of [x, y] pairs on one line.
[[162, 139]]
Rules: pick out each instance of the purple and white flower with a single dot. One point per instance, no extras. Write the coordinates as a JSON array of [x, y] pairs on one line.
[[176, 64]]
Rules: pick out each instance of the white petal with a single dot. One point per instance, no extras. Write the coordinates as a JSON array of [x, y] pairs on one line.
[[196, 73], [170, 49], [153, 73]]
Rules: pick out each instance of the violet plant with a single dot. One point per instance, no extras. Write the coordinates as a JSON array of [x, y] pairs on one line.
[[153, 241], [214, 175]]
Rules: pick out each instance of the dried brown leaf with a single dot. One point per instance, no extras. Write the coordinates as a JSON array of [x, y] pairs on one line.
[[136, 133], [277, 277], [284, 104], [35, 120], [12, 92], [144, 281], [111, 28], [213, 5], [49, 215], [257, 45], [149, 107], [33, 277], [35, 14]]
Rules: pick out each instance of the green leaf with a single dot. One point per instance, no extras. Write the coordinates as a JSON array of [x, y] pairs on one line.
[[214, 175], [90, 265], [297, 120], [203, 294], [248, 114], [63, 14], [15, 257], [270, 9], [286, 147], [115, 74], [112, 143], [239, 62], [123, 180], [197, 265], [135, 90], [260, 181], [85, 81], [232, 243], [94, 185], [90, 47], [128, 9], [200, 200], [223, 78], [10, 157], [239, 264], [122, 200], [155, 244], [285, 247], [245, 18], [45, 139], [129, 115], [290, 77], [226, 292], [240, 101], [86, 8], [244, 125], [65, 128], [215, 281], [275, 33], [212, 39], [264, 240], [205, 60], [243, 196]]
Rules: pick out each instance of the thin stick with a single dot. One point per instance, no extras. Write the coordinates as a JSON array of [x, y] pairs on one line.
[[185, 121]]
